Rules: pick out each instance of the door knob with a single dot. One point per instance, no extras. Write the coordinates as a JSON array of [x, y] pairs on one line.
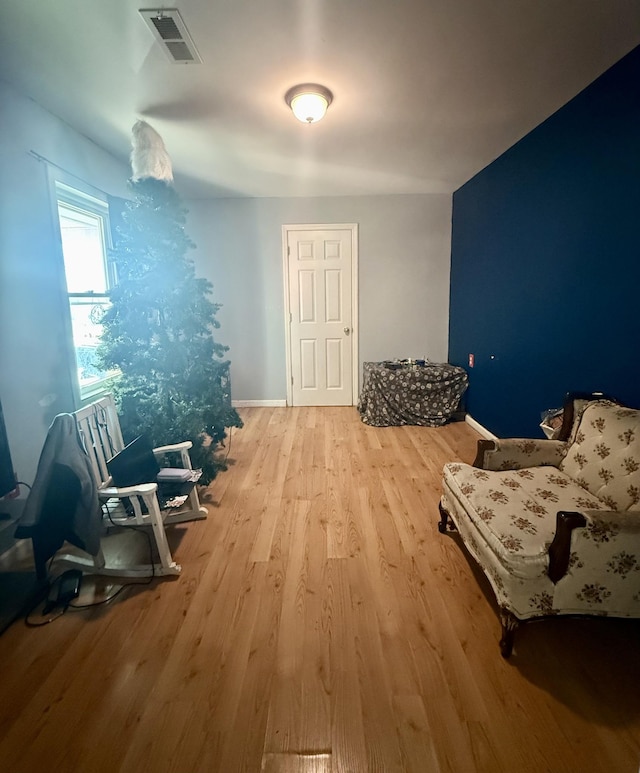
[[347, 330]]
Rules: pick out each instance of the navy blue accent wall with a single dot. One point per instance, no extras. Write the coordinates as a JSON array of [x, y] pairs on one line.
[[545, 264]]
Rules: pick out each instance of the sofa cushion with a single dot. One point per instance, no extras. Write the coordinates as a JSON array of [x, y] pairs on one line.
[[605, 456], [514, 511]]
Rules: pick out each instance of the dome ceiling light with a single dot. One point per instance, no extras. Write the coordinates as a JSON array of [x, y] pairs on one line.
[[309, 101]]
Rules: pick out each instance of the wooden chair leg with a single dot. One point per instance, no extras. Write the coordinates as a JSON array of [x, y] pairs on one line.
[[167, 564], [509, 624], [444, 518]]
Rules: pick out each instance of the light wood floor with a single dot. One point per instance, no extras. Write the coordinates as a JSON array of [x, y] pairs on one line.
[[321, 623]]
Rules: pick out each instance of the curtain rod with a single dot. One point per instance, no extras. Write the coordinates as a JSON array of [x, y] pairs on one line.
[[48, 161]]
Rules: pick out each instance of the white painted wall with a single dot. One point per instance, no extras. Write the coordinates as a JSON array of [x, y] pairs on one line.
[[404, 260], [404, 273], [35, 382]]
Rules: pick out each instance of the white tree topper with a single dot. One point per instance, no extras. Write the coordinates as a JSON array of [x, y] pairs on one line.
[[149, 157]]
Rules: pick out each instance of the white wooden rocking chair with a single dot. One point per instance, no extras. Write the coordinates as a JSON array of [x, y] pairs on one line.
[[99, 428]]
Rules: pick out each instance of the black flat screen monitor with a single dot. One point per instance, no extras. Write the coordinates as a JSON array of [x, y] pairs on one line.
[[135, 464], [7, 475]]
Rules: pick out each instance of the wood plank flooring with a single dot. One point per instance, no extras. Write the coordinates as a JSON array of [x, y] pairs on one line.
[[321, 624]]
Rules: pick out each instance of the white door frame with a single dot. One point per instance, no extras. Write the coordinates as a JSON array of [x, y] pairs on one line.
[[355, 369]]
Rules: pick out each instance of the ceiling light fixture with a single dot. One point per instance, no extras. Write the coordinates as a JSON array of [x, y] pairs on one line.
[[309, 101]]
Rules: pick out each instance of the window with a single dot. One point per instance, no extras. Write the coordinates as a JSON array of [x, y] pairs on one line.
[[84, 229]]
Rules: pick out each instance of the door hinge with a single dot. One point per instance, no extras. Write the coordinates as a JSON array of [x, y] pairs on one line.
[[290, 317], [291, 380]]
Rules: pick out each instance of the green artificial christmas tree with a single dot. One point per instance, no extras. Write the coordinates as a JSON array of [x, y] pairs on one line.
[[158, 330]]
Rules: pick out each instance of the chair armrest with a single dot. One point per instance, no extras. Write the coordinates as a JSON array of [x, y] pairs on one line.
[[598, 538], [516, 453], [181, 448], [145, 491], [128, 491], [185, 445]]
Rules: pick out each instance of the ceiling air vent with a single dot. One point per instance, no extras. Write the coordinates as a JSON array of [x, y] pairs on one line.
[[172, 34]]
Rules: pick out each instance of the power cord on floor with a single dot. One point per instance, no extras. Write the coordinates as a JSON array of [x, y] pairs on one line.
[[46, 592], [30, 624], [78, 607], [226, 456]]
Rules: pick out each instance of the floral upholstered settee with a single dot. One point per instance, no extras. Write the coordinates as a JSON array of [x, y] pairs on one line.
[[555, 524]]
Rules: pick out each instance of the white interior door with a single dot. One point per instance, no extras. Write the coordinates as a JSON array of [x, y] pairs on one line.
[[322, 344]]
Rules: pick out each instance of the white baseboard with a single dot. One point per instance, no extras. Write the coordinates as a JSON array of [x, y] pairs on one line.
[[259, 403], [479, 428]]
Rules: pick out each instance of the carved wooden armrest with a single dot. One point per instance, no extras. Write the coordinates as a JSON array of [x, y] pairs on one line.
[[516, 453], [560, 548]]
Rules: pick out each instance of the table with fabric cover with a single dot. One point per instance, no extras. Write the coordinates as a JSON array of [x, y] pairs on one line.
[[397, 393]]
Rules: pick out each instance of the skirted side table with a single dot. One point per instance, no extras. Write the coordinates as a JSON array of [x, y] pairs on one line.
[[397, 393]]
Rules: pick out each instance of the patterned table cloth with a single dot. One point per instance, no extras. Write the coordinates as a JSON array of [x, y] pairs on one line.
[[394, 394]]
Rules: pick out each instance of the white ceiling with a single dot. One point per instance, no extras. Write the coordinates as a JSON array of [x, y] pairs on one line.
[[426, 92]]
